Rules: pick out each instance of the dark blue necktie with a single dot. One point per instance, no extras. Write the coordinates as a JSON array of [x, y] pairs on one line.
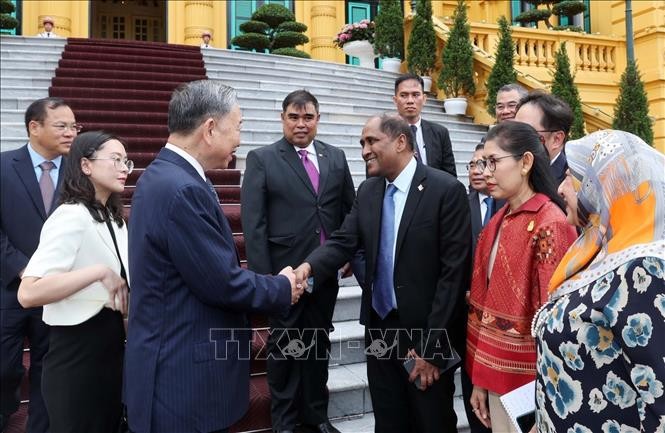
[[489, 202], [383, 291]]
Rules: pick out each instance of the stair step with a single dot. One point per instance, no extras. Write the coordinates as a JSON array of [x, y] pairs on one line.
[[347, 342], [349, 394], [348, 304]]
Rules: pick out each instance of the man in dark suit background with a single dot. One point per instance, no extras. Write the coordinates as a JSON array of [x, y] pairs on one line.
[[295, 193], [433, 140], [413, 223], [552, 118], [482, 207], [188, 348], [30, 185]]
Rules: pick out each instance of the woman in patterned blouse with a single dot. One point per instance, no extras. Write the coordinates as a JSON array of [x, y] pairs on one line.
[[601, 356], [515, 257]]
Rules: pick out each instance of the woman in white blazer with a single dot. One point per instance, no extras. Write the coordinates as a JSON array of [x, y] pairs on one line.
[[78, 274]]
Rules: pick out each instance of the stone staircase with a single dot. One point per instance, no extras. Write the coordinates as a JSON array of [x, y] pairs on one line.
[[348, 95]]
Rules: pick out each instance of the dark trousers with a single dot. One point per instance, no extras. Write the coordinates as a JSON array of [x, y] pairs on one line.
[[298, 348], [17, 324], [398, 405]]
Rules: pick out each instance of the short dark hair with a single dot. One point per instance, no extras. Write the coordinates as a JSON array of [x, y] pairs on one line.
[[299, 99], [557, 115], [521, 91], [194, 102], [517, 138], [407, 77], [479, 146], [394, 126], [77, 187], [37, 110]]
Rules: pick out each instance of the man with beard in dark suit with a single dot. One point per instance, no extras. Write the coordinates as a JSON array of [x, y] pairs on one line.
[[413, 223]]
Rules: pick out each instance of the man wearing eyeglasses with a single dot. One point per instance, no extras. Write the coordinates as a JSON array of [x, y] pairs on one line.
[[551, 118], [28, 194]]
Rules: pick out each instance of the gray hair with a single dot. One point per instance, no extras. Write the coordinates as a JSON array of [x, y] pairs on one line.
[[194, 102], [521, 91]]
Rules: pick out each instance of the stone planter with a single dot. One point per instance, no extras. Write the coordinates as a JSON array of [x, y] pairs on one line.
[[391, 64], [455, 105], [363, 50], [427, 81]]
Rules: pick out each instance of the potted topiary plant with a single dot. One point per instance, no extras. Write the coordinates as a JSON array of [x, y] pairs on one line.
[[422, 43], [273, 27], [7, 22], [389, 38], [456, 77], [357, 39]]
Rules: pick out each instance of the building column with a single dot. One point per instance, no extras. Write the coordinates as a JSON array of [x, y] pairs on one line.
[[198, 17], [35, 11], [327, 18]]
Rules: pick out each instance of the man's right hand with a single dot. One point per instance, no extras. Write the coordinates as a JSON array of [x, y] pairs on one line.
[[296, 288]]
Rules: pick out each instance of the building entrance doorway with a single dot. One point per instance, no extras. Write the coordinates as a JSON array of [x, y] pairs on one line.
[[135, 20]]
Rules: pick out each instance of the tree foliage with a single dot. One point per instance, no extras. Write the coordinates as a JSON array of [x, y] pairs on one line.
[[557, 8], [563, 86], [456, 77], [389, 29], [273, 27], [631, 111], [503, 71], [422, 43], [7, 22]]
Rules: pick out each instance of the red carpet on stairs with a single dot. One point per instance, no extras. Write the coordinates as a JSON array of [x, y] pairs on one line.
[[123, 87]]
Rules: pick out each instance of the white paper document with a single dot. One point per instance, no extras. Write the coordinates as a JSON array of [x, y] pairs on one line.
[[519, 402]]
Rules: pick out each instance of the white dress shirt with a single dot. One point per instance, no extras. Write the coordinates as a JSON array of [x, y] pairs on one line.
[[483, 206], [420, 141], [311, 154], [189, 158]]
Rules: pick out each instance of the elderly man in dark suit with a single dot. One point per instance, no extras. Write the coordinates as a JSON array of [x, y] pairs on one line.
[[187, 356], [433, 147], [413, 223], [30, 188], [552, 118], [295, 193]]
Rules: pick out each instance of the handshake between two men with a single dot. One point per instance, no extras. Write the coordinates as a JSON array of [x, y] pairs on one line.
[[298, 278]]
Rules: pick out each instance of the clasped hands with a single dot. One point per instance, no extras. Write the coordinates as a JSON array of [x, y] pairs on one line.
[[298, 278]]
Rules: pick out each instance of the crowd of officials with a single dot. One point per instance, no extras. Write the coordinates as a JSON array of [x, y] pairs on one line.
[[550, 267]]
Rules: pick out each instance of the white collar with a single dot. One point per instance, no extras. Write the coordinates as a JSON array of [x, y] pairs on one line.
[[189, 158], [403, 181]]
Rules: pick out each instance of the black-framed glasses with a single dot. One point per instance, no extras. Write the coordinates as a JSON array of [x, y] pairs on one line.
[[62, 127], [118, 162], [490, 163]]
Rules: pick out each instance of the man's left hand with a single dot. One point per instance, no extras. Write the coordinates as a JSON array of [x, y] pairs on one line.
[[429, 373]]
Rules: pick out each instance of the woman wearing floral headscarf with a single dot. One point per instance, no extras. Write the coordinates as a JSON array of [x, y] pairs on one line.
[[601, 357]]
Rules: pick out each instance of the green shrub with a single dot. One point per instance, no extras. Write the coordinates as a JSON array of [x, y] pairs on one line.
[[293, 52], [568, 8], [8, 22], [503, 71], [7, 7], [389, 29], [563, 86], [553, 7], [272, 27], [533, 16], [422, 43], [456, 77], [631, 111], [288, 40]]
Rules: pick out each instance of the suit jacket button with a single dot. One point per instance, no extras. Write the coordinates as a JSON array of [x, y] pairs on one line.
[[317, 231]]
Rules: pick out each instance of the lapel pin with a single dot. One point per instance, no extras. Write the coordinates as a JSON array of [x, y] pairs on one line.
[[530, 226], [321, 155], [421, 187]]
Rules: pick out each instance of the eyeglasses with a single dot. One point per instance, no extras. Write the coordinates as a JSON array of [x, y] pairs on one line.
[[62, 127], [490, 163], [118, 162], [472, 165], [510, 106]]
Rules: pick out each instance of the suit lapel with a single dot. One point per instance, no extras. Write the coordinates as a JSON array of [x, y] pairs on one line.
[[374, 207], [418, 187], [324, 163], [26, 172], [474, 208], [428, 138], [293, 160], [103, 232]]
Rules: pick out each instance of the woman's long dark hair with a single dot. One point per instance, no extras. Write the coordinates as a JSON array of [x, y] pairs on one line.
[[77, 187], [517, 138]]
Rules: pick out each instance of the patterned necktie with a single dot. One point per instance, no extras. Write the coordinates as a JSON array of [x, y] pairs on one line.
[[46, 184], [414, 130], [383, 291], [489, 204]]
